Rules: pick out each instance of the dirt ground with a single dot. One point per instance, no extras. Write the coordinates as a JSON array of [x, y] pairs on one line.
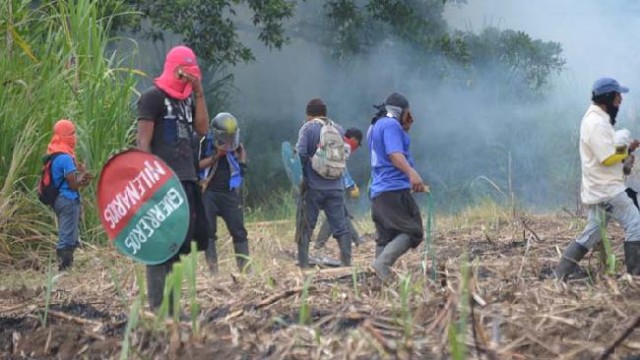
[[507, 307]]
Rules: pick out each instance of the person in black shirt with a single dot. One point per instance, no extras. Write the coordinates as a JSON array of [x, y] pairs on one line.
[[168, 113], [222, 167]]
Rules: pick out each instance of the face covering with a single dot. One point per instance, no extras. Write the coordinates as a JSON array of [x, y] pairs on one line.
[[613, 112], [63, 139], [177, 88]]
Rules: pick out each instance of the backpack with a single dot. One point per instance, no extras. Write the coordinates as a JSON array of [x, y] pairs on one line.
[[47, 193], [330, 159]]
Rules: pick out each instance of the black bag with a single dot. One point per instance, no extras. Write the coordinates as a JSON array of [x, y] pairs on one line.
[[47, 193]]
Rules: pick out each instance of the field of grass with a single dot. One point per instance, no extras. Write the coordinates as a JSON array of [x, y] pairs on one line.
[[489, 297]]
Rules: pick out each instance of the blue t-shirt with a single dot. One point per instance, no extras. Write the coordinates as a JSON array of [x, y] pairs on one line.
[[385, 137], [61, 167]]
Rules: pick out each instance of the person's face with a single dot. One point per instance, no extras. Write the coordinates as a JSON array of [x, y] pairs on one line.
[[356, 142], [178, 72], [407, 120], [617, 100]]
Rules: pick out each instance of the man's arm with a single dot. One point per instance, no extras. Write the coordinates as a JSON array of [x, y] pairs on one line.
[[400, 161], [144, 135], [302, 144], [202, 114]]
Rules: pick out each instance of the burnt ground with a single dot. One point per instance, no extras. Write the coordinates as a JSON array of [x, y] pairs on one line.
[[507, 307]]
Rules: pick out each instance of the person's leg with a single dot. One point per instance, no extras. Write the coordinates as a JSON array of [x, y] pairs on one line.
[[578, 248], [231, 212], [308, 219], [324, 234], [156, 277], [68, 214], [626, 214], [400, 213], [333, 206], [212, 212]]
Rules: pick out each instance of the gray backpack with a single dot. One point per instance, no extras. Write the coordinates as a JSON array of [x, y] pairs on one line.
[[330, 159]]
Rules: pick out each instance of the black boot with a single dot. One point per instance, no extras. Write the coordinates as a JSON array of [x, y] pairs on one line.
[[344, 242], [323, 234], [242, 254], [65, 258], [632, 257], [211, 254], [156, 276], [379, 250], [570, 259], [394, 249]]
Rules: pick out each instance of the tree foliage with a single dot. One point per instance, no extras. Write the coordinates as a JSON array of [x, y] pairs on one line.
[[356, 27], [210, 26]]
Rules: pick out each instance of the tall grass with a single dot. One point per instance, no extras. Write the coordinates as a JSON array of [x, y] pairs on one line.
[[56, 63]]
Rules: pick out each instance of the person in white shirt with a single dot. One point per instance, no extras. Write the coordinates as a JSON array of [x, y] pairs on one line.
[[603, 186]]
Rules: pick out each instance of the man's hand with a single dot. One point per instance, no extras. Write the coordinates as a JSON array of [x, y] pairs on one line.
[[195, 82], [242, 155], [354, 192], [634, 145], [417, 185], [85, 178]]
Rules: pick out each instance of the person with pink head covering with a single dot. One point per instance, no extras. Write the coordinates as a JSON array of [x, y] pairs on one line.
[[68, 176], [168, 114]]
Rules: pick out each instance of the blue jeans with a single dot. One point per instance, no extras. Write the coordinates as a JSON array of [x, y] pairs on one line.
[[68, 214]]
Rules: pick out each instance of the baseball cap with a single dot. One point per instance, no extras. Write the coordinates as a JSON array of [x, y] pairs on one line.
[[607, 85]]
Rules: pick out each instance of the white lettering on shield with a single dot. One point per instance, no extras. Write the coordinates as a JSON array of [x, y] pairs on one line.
[[128, 198], [153, 219]]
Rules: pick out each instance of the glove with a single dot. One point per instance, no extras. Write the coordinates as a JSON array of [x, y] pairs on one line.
[[354, 192]]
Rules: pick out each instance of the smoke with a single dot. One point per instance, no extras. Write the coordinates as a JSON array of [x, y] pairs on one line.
[[468, 143]]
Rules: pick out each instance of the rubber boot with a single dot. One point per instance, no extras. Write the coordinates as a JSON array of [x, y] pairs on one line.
[[323, 235], [65, 258], [570, 259], [396, 248], [379, 250], [355, 237], [242, 254], [344, 242], [303, 250], [211, 254], [632, 257], [156, 275]]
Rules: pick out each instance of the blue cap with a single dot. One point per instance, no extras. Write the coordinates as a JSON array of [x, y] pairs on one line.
[[607, 85]]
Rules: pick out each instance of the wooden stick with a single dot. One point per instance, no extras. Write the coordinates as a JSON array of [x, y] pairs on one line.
[[608, 351]]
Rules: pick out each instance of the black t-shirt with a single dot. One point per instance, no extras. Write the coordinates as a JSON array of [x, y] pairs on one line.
[[172, 132], [220, 180]]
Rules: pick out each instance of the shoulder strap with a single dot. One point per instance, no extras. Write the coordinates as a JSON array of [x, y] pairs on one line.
[[50, 158]]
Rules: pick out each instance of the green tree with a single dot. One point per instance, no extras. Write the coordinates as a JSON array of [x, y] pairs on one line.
[[210, 26]]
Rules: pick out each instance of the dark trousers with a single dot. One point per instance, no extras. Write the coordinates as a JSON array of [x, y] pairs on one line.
[[228, 206], [332, 203], [395, 213], [156, 274]]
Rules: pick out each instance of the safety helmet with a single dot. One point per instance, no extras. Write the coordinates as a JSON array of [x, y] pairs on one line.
[[226, 134]]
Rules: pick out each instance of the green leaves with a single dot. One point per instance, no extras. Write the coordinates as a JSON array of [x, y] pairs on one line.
[[210, 27]]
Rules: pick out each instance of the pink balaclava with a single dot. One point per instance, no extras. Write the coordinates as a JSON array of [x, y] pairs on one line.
[[169, 82]]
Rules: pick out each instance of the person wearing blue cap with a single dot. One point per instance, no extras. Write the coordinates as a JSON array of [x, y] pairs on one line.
[[603, 186]]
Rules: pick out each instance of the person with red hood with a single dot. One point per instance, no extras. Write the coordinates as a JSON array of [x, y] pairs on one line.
[[68, 176], [168, 114]]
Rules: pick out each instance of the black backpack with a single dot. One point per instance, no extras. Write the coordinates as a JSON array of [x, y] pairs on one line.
[[47, 193]]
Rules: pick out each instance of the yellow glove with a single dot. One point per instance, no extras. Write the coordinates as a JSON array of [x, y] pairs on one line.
[[354, 192]]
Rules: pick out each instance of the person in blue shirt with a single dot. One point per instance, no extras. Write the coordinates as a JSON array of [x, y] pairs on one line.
[[222, 166], [318, 192], [394, 211], [68, 177], [353, 140]]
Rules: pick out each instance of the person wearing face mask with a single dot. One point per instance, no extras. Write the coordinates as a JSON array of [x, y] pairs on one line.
[[68, 176], [603, 186], [394, 211], [168, 114], [222, 167]]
